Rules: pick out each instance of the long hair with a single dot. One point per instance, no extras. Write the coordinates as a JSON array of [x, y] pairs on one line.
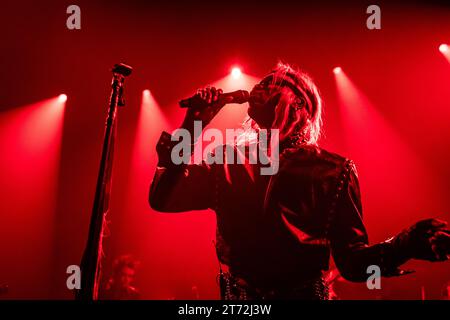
[[295, 116]]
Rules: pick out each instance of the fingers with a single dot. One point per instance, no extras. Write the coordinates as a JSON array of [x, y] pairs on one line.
[[440, 244], [432, 224], [215, 93], [218, 93], [201, 93], [441, 239], [209, 94]]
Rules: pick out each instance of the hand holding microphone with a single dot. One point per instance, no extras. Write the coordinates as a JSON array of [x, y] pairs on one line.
[[201, 99], [207, 102]]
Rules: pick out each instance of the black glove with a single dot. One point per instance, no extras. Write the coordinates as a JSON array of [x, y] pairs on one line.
[[425, 240]]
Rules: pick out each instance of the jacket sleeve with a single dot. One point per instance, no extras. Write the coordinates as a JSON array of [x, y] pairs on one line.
[[348, 236], [177, 188]]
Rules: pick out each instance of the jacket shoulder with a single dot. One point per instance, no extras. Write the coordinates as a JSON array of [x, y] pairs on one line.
[[318, 161], [316, 154]]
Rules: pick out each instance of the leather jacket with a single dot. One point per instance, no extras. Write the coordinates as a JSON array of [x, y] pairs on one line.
[[278, 231]]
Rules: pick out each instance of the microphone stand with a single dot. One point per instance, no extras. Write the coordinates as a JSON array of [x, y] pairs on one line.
[[91, 261]]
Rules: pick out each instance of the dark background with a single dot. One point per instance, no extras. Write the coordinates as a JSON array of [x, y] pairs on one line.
[[174, 48]]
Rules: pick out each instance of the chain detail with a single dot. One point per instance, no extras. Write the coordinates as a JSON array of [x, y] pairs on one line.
[[339, 188], [237, 289]]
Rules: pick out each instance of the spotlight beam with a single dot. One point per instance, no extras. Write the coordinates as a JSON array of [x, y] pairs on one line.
[[445, 50]]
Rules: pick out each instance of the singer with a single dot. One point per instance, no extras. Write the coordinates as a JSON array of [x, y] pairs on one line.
[[275, 234]]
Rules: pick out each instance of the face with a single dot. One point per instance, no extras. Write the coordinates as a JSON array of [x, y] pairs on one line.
[[262, 102], [126, 276]]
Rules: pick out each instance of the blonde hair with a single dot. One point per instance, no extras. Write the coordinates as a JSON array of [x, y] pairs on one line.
[[298, 117]]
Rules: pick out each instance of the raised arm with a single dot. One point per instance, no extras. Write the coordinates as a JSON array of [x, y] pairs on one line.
[[182, 187]]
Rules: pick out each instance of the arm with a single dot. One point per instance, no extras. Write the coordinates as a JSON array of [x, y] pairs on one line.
[[350, 245], [177, 188], [182, 187]]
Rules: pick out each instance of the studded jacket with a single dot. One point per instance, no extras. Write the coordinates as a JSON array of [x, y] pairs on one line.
[[278, 231]]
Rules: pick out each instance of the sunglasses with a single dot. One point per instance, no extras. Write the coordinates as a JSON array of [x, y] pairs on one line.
[[283, 83]]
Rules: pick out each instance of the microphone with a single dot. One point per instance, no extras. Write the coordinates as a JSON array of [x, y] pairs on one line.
[[239, 96]]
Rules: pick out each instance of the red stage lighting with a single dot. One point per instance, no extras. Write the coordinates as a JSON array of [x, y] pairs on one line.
[[443, 48], [236, 73], [337, 70], [372, 143], [146, 93], [30, 145], [62, 98]]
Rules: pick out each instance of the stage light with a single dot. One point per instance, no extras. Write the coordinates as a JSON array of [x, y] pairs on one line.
[[62, 98], [146, 93], [337, 70], [443, 48], [236, 73]]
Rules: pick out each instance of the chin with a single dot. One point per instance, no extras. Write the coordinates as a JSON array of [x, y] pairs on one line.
[[250, 110], [254, 105], [254, 116], [252, 113], [257, 112]]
